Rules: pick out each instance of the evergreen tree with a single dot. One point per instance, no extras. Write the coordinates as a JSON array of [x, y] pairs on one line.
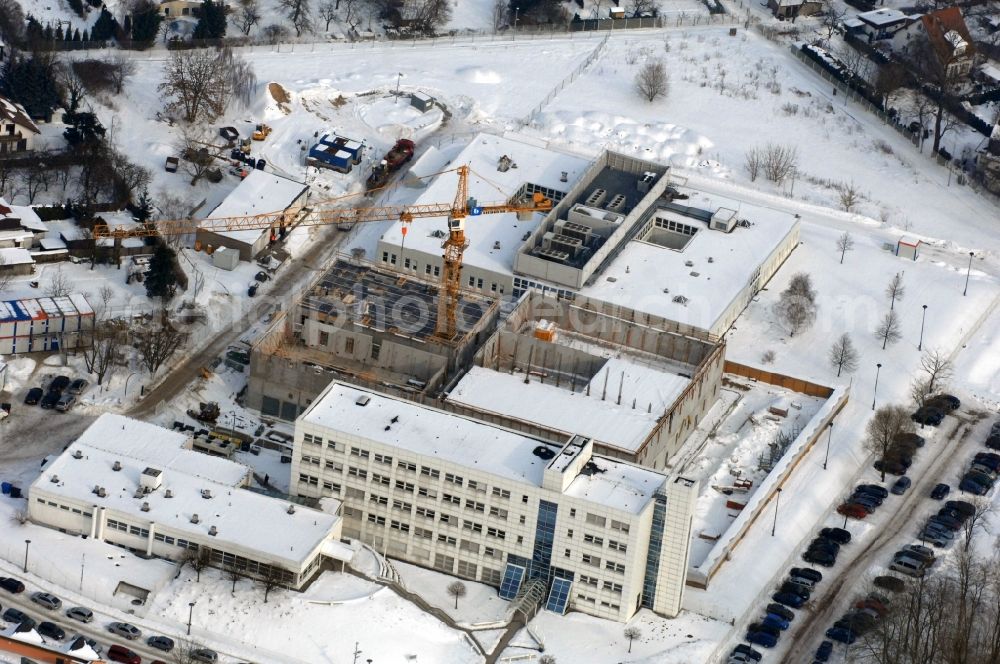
[[31, 82], [105, 26], [161, 281], [49, 33], [34, 30], [59, 34], [77, 6], [146, 22], [84, 128], [76, 35], [212, 22], [143, 208], [85, 36]]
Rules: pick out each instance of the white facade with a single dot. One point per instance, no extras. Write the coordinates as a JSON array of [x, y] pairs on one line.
[[17, 131], [138, 486], [481, 502], [45, 323]]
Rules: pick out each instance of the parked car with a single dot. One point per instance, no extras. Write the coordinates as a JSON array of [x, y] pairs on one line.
[[762, 639], [81, 614], [945, 402], [51, 630], [890, 467], [853, 510], [858, 622], [252, 290], [909, 439], [11, 585], [940, 491], [59, 384], [838, 535], [977, 467], [992, 441], [921, 553], [130, 632], [65, 403], [928, 415], [821, 558], [740, 658], [908, 566], [976, 489], [50, 400], [880, 491], [841, 635], [779, 610], [78, 386], [807, 573], [775, 620], [873, 603], [824, 544], [900, 486], [767, 629], [204, 655], [795, 589], [163, 643], [46, 600], [117, 653], [954, 525], [988, 459], [957, 516], [79, 639], [746, 652], [262, 276], [869, 502], [979, 478], [934, 538], [33, 396], [891, 583], [824, 651], [962, 506], [18, 617], [788, 599], [805, 583]]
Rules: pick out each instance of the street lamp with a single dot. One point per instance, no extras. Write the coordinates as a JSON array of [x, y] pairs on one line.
[[777, 497], [920, 346], [967, 273], [830, 431], [516, 10], [27, 543], [399, 75], [878, 368], [190, 615]]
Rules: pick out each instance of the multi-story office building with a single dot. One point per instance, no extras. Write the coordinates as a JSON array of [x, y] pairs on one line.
[[549, 524]]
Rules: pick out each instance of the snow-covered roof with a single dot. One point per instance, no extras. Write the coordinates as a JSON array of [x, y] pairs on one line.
[[50, 243], [539, 165], [26, 216], [430, 162], [909, 241], [258, 193], [467, 442], [647, 277], [242, 518], [15, 256], [16, 235], [124, 219], [598, 415], [989, 71], [883, 17], [13, 112]]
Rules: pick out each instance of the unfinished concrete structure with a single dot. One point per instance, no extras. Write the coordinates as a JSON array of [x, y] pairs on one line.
[[365, 325], [555, 369]]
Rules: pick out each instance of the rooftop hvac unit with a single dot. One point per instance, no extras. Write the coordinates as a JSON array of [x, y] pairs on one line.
[[363, 400], [54, 479], [617, 203], [151, 479], [168, 494], [645, 182], [213, 531], [570, 245], [206, 493], [145, 507], [101, 492], [194, 518], [680, 299], [596, 197], [78, 454], [291, 509], [553, 255], [116, 466], [723, 220], [573, 229]]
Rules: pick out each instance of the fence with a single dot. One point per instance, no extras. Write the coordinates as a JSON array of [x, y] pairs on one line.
[[781, 380], [561, 85]]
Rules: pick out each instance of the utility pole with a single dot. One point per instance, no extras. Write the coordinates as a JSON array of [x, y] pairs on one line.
[[356, 652]]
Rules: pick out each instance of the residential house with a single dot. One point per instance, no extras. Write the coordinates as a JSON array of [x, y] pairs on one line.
[[174, 8], [949, 37], [880, 24], [792, 9], [17, 131]]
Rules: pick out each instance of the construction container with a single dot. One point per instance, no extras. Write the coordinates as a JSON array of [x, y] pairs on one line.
[[545, 330], [226, 259]]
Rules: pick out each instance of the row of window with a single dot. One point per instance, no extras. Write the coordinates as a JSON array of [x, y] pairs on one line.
[[594, 582], [67, 508], [599, 541], [676, 226], [593, 600]]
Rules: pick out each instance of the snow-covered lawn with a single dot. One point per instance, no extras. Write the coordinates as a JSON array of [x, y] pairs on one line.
[[481, 604]]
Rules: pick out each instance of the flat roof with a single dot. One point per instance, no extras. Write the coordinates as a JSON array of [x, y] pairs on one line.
[[470, 443], [15, 256], [538, 165], [647, 277], [883, 16], [574, 412], [242, 517], [258, 193]]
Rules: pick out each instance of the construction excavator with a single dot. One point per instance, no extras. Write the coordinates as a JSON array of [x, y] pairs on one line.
[[453, 246]]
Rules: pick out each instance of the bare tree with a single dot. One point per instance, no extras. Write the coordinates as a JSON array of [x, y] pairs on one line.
[[272, 580], [73, 87], [457, 590], [801, 285], [197, 159], [198, 560], [641, 8], [919, 392], [978, 519], [106, 340], [651, 81], [753, 160], [299, 13], [849, 194], [843, 354], [201, 83], [895, 290], [5, 275], [632, 633], [500, 12], [938, 366], [235, 573], [888, 329], [941, 81], [780, 161], [58, 284], [855, 62], [797, 306], [121, 67], [7, 178], [131, 176], [157, 342], [247, 15], [832, 19], [887, 423], [328, 13], [845, 243], [429, 15], [20, 517], [35, 179], [889, 82]]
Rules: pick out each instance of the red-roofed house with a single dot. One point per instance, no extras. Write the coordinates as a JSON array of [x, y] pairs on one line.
[[17, 131], [950, 39]]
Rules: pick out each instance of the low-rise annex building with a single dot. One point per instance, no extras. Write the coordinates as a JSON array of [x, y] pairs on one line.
[[139, 486], [551, 526]]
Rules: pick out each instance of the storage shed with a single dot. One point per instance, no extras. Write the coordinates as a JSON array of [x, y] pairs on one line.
[[421, 101], [908, 247], [226, 259]]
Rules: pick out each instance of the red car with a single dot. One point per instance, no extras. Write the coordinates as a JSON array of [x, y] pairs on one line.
[[122, 654], [853, 510]]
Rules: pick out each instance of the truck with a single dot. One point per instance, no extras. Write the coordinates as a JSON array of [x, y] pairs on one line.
[[400, 153]]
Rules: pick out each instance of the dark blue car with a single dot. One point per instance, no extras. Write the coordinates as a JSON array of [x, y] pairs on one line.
[[841, 635], [775, 621], [940, 491], [762, 639], [824, 651], [788, 599]]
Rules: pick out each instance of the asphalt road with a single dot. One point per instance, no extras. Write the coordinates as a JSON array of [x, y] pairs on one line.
[[808, 629]]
